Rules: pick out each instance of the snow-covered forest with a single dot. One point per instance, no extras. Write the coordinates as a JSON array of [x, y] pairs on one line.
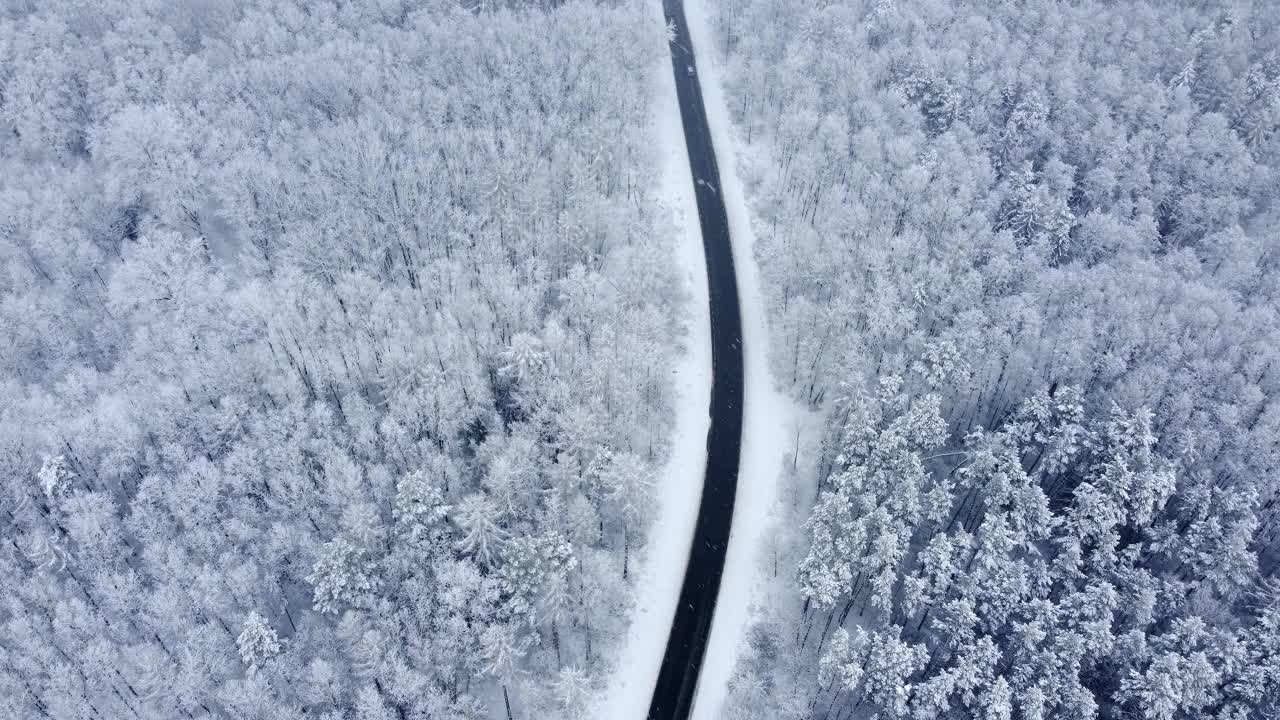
[[1021, 262], [340, 341], [334, 355]]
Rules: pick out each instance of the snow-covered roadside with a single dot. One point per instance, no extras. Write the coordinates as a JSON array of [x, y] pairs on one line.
[[678, 488], [769, 417]]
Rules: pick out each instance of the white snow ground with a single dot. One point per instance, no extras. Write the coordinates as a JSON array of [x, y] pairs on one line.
[[678, 488], [770, 419]]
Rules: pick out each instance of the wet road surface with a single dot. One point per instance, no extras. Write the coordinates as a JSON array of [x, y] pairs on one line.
[[678, 677]]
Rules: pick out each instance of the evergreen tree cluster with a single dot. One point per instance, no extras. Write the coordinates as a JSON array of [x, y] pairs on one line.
[[1020, 260]]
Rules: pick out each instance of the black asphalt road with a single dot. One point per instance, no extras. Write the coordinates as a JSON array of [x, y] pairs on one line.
[[678, 677]]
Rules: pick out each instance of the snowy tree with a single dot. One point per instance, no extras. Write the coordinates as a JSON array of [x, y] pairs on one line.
[[524, 356], [257, 642], [890, 663], [342, 576], [370, 706], [419, 508], [998, 702], [362, 522], [627, 483], [47, 550], [502, 650], [573, 692], [482, 536], [55, 476], [530, 566], [845, 658]]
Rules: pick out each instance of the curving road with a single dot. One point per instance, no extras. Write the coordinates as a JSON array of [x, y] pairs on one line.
[[678, 676]]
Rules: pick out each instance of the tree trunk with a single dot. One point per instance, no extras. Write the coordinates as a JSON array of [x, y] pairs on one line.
[[555, 641]]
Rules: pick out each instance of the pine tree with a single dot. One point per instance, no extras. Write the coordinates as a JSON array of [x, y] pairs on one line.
[[257, 642], [529, 567], [845, 659], [997, 703], [419, 509], [342, 576], [890, 664], [55, 476]]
